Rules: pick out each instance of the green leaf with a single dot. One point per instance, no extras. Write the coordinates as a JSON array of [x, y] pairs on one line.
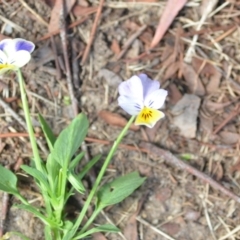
[[103, 228], [67, 227], [50, 137], [88, 166], [37, 175], [75, 161], [70, 140], [53, 169], [76, 183], [8, 181], [117, 190], [186, 156], [35, 211]]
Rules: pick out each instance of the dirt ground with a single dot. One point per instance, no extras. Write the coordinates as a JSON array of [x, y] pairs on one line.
[[196, 60]]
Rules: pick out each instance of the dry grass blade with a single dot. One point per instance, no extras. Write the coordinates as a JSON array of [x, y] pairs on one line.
[[40, 19], [167, 237], [207, 7], [235, 230], [12, 24]]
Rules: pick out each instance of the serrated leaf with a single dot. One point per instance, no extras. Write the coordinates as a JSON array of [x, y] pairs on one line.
[[8, 181], [37, 175], [103, 228], [76, 183], [50, 137], [70, 140], [117, 190]]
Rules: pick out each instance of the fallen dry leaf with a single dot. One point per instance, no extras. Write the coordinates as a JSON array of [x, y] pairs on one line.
[[130, 231], [207, 69], [171, 228], [206, 124], [217, 170], [115, 119], [236, 166], [83, 11], [171, 70], [185, 115], [98, 236], [170, 12], [54, 23], [115, 47], [215, 106], [50, 3], [193, 81], [229, 137], [174, 93]]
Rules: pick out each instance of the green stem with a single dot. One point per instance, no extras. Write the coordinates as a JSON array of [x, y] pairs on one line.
[[36, 156], [90, 220], [100, 175]]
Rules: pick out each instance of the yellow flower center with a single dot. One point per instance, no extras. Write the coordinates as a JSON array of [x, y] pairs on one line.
[[148, 117], [5, 65]]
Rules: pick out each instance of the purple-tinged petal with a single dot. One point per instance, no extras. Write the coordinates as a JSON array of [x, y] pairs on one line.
[[156, 99], [132, 88], [22, 44], [11, 46], [20, 58], [5, 42], [148, 84], [129, 105]]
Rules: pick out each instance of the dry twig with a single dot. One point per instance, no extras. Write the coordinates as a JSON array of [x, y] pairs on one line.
[[66, 60], [171, 159], [39, 18], [94, 28], [130, 41]]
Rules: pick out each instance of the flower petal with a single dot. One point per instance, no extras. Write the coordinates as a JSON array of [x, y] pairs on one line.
[[148, 117], [129, 105], [22, 44], [3, 57], [156, 99], [148, 84], [5, 42], [20, 58], [11, 46], [132, 88]]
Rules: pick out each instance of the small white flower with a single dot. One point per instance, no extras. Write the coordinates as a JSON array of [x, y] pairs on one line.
[[14, 53], [140, 96]]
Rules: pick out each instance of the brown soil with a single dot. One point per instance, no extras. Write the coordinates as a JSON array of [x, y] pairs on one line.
[[172, 201]]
